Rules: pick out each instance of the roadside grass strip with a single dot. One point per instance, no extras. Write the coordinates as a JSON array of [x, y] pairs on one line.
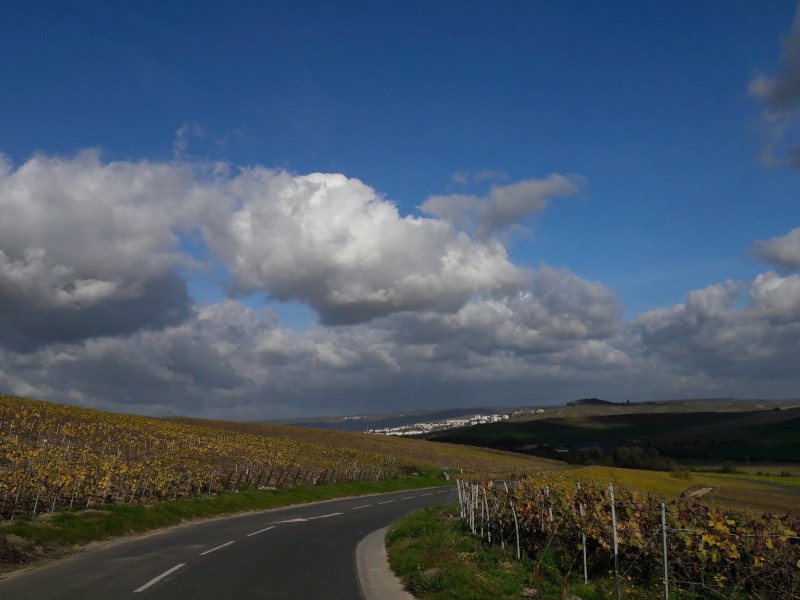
[[436, 558]]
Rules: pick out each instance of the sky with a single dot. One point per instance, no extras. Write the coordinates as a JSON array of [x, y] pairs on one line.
[[267, 210]]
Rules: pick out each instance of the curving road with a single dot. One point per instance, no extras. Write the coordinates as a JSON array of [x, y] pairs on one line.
[[302, 553]]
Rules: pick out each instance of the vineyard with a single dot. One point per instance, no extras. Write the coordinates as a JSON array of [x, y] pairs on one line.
[[55, 457], [407, 452], [651, 548]]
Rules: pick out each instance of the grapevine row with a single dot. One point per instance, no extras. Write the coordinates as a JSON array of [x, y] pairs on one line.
[[643, 541], [54, 457]]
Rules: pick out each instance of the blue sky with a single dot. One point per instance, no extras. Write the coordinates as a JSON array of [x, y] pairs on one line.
[[672, 131]]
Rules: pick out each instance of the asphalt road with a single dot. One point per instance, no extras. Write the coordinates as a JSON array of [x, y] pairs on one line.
[[302, 553]]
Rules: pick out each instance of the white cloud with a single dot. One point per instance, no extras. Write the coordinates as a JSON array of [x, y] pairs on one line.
[[489, 175], [781, 93], [334, 243], [701, 319], [37, 279], [463, 177], [183, 135], [93, 307], [782, 251], [559, 339], [780, 96], [227, 355], [555, 309], [76, 232], [711, 335], [460, 178], [505, 205], [776, 298]]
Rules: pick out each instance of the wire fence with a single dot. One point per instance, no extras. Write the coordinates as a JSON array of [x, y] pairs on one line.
[[642, 542]]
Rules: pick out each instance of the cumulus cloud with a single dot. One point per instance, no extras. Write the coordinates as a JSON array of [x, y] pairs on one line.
[[555, 309], [230, 357], [163, 301], [780, 95], [94, 307], [702, 322], [77, 232], [505, 205], [782, 251], [713, 335], [776, 298], [558, 339], [334, 243]]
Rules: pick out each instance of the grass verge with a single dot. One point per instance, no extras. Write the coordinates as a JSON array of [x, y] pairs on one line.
[[437, 559], [26, 540]]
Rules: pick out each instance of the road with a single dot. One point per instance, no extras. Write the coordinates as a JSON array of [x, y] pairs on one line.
[[301, 553]]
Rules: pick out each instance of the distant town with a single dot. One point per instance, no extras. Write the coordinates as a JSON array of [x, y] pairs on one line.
[[444, 424]]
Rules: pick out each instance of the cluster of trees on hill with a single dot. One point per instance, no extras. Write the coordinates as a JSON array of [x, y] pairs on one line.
[[630, 457]]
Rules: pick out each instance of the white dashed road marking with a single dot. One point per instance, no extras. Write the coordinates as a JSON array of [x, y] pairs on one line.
[[298, 520], [261, 531], [324, 516], [217, 548], [155, 580]]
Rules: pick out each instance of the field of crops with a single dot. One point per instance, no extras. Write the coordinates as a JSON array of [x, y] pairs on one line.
[[56, 457]]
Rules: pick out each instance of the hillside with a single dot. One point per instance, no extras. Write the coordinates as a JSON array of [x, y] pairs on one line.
[[407, 453], [362, 423], [55, 456], [714, 430]]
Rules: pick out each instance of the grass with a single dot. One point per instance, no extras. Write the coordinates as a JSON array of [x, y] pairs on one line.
[[437, 559], [27, 539]]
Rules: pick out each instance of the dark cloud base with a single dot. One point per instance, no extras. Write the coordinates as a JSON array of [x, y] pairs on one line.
[[163, 302]]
